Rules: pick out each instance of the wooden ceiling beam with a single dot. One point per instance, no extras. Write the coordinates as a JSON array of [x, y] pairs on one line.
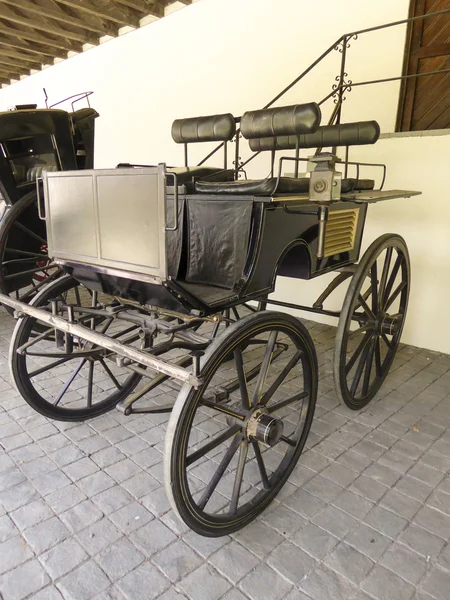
[[23, 46], [16, 63], [103, 13], [146, 7], [38, 38], [4, 64], [37, 24], [34, 61], [58, 14], [9, 75]]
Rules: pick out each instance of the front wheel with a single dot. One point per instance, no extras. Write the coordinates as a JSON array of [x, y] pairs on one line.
[[226, 460], [371, 321]]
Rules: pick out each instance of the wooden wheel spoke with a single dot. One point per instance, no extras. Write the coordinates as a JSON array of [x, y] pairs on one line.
[[265, 367], [287, 402], [398, 290], [238, 359], [69, 382], [368, 369], [110, 374], [391, 280], [243, 451], [389, 344], [36, 255], [218, 474], [52, 365], [360, 369], [195, 456], [261, 466], [365, 307], [29, 272], [90, 383], [288, 441], [384, 275], [378, 357], [29, 232], [281, 377], [374, 287], [357, 352]]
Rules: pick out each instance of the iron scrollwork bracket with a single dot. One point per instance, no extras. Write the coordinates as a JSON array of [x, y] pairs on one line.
[[341, 87], [345, 42]]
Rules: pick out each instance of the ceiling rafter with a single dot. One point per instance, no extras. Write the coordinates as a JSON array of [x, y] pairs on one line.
[[35, 32]]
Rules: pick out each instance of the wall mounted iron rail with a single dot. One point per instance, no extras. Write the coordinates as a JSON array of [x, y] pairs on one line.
[[341, 44]]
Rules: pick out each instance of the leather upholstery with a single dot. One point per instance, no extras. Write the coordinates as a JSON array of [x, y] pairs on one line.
[[284, 120], [348, 134], [186, 174], [268, 187], [214, 128]]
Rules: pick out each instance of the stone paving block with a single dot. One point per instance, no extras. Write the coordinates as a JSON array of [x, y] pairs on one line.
[[66, 455], [31, 514], [421, 541], [348, 562], [23, 581], [130, 517], [18, 496], [141, 484], [123, 470], [368, 488], [264, 584], [335, 521], [368, 541], [81, 515], [63, 558], [304, 504], [80, 468], [353, 504], [11, 477], [355, 461], [385, 521], [324, 584], [144, 583], [434, 521], [404, 562], [400, 504], [152, 537], [83, 583], [48, 483], [43, 536], [177, 560], [283, 519], [315, 541], [385, 585], [13, 552], [323, 488], [156, 502], [62, 499], [98, 536], [203, 545], [291, 562], [7, 528], [258, 538], [119, 559], [413, 488], [47, 593], [95, 483]]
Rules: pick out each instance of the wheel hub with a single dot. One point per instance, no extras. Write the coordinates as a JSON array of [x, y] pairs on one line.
[[387, 324], [264, 427]]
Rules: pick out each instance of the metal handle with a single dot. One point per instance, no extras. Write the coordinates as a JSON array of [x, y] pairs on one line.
[[175, 199], [41, 212]]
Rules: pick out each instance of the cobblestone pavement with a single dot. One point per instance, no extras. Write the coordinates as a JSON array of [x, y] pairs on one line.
[[365, 515]]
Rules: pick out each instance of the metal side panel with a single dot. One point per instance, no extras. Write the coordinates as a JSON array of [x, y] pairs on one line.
[[111, 218]]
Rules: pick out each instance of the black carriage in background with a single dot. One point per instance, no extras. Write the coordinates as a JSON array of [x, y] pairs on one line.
[[34, 141], [162, 266]]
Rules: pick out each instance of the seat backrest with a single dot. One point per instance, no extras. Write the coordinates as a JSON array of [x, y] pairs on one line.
[[214, 128], [297, 119], [348, 134]]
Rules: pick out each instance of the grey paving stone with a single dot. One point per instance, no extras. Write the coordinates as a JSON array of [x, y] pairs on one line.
[[119, 559], [413, 488], [123, 470], [382, 474], [421, 541], [62, 499], [335, 521], [404, 562], [324, 584], [348, 562], [144, 583], [304, 504], [283, 519], [385, 521], [13, 552], [426, 474], [368, 541], [141, 484], [339, 474], [95, 483], [177, 560], [353, 504], [368, 488], [18, 496], [152, 537], [98, 536], [130, 517], [66, 455], [63, 558], [291, 562], [156, 502], [203, 545], [264, 584], [80, 468], [434, 521], [400, 504], [48, 483], [23, 581], [33, 513], [323, 488], [84, 582], [80, 516], [7, 528], [112, 499], [355, 461], [43, 536], [315, 541], [205, 583], [47, 593], [10, 478], [385, 585], [258, 538]]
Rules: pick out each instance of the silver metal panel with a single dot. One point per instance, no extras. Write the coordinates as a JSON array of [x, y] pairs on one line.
[[111, 218]]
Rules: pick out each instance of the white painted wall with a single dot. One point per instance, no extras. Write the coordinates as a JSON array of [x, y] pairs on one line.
[[234, 55]]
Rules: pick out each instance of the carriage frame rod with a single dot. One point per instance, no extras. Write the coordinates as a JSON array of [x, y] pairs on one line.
[[102, 340]]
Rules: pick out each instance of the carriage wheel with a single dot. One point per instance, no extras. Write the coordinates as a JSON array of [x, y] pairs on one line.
[[371, 321], [25, 266], [226, 461], [75, 380]]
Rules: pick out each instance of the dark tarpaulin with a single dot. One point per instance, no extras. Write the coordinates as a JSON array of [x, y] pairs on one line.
[[218, 234]]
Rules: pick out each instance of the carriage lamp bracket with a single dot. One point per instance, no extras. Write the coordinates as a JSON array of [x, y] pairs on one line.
[[325, 182]]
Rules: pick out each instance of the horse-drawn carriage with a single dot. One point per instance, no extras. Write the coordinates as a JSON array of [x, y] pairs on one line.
[[168, 273], [32, 141]]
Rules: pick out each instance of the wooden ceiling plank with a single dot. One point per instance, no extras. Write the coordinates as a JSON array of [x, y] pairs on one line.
[[34, 61], [57, 14], [145, 7], [102, 13], [22, 45], [4, 64], [38, 25], [15, 62], [40, 38]]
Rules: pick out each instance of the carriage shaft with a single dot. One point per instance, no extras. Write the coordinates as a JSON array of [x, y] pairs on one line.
[[102, 340]]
